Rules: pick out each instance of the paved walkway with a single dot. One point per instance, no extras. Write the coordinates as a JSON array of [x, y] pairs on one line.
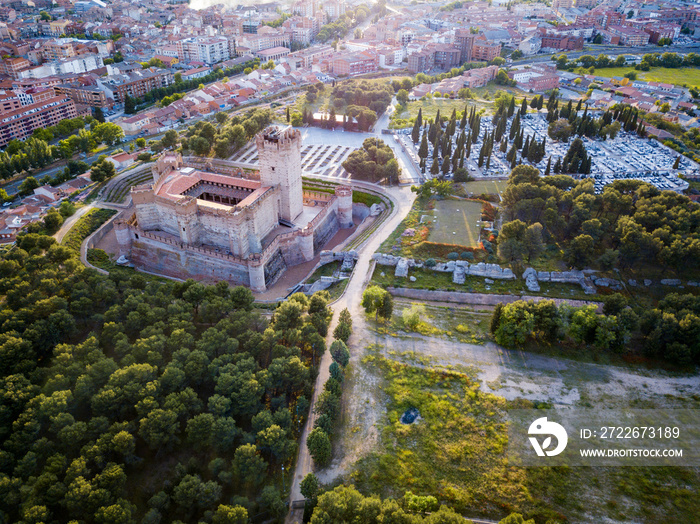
[[403, 200]]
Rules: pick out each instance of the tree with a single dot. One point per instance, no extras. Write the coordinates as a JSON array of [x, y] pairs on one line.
[[104, 170], [560, 130], [580, 250], [319, 447], [309, 486], [402, 97], [415, 132], [516, 325], [52, 221], [423, 149], [373, 299], [170, 138], [248, 465], [108, 133], [340, 353], [342, 332], [130, 105], [160, 428], [230, 515], [532, 241], [516, 518], [28, 185], [99, 115]]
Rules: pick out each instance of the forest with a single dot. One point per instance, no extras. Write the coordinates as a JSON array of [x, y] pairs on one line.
[[124, 399], [631, 223]]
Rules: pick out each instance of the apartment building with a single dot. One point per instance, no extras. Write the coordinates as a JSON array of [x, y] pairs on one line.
[[20, 123], [629, 36], [562, 42], [446, 56], [210, 49], [464, 40], [137, 83], [12, 67], [58, 49], [421, 62], [355, 64], [89, 95], [483, 51]]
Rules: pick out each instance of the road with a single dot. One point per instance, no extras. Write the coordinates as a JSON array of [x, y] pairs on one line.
[[403, 200], [71, 221]]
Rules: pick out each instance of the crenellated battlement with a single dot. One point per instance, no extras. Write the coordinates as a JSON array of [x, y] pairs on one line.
[[276, 138]]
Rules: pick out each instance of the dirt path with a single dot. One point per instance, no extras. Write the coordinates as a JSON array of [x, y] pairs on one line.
[[403, 200]]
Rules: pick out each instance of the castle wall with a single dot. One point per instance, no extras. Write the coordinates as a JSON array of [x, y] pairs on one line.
[[168, 260], [328, 227]]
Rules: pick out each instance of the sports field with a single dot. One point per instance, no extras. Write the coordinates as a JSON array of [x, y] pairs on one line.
[[489, 187], [455, 223]]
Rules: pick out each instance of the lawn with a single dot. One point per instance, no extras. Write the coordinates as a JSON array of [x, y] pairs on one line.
[[455, 222], [683, 76], [488, 187], [430, 107]]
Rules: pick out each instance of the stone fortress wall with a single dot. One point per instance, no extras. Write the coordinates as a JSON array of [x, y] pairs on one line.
[[186, 237]]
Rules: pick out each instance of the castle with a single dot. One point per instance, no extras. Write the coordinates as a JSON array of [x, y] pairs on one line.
[[217, 223]]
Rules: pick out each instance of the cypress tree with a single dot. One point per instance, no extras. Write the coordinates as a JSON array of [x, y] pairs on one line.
[[514, 127], [511, 107], [423, 149], [415, 132], [435, 168], [523, 107], [504, 145], [525, 147], [463, 122], [557, 166], [468, 144], [446, 166], [548, 169]]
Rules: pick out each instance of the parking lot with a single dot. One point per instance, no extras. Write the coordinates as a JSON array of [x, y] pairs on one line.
[[315, 158]]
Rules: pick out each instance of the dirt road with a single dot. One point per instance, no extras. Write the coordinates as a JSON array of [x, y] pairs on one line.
[[403, 200]]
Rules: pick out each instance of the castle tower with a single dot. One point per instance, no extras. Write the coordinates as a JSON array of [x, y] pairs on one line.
[[279, 153], [344, 194]]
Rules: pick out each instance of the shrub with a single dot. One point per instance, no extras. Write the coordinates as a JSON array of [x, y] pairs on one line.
[[88, 224], [430, 262], [467, 255], [453, 255]]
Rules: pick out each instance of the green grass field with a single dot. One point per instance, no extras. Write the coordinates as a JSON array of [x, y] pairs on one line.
[[489, 187], [684, 76], [456, 222]]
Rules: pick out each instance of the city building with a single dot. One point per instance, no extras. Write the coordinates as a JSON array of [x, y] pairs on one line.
[[629, 36], [20, 123], [355, 64]]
